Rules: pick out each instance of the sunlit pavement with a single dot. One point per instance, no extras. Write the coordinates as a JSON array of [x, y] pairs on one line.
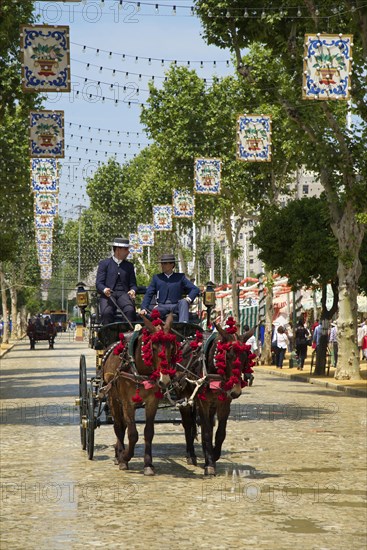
[[292, 474]]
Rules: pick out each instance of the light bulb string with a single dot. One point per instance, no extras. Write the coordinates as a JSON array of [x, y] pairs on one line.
[[137, 58]]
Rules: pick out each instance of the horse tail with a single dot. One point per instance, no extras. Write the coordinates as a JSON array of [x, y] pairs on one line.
[[195, 422]]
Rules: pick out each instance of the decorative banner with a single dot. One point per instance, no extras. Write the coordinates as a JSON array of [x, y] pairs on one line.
[[134, 244], [44, 176], [44, 248], [146, 235], [46, 203], [254, 138], [46, 134], [44, 221], [45, 58], [327, 66], [162, 217], [183, 204], [207, 175], [44, 259], [44, 235], [46, 271]]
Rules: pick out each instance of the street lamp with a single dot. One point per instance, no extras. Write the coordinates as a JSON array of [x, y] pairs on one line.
[[62, 283], [80, 207]]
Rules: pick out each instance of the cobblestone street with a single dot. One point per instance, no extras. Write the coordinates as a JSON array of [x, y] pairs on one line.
[[292, 474]]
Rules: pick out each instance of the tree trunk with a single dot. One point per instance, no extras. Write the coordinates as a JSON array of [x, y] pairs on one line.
[[326, 316], [5, 307], [235, 291], [350, 235], [23, 320], [14, 300], [141, 262], [266, 355]]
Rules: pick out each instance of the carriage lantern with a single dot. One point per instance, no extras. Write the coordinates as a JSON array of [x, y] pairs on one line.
[[209, 295], [209, 301], [82, 300]]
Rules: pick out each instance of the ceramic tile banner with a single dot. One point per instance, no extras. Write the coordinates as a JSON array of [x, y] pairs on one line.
[[135, 248], [327, 66], [183, 204], [42, 221], [44, 248], [207, 175], [46, 203], [44, 235], [162, 217], [46, 271], [44, 259], [46, 134], [254, 138], [44, 175], [146, 234], [45, 58]]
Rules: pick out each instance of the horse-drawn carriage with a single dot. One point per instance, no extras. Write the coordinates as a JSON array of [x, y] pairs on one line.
[[41, 328], [153, 363]]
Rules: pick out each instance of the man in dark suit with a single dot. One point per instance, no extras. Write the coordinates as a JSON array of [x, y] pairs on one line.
[[116, 276], [168, 287]]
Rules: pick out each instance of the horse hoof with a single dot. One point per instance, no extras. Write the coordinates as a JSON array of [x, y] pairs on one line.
[[123, 466], [209, 471], [149, 471], [192, 461], [116, 461]]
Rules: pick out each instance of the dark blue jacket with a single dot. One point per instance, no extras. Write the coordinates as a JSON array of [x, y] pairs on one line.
[[169, 288], [107, 275]]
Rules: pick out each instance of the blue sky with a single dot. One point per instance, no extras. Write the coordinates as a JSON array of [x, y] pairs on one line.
[[144, 33]]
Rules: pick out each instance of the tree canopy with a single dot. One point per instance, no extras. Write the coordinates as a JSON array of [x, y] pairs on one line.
[[331, 147]]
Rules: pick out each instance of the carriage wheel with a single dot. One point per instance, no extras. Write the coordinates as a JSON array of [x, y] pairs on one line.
[[91, 424], [83, 401]]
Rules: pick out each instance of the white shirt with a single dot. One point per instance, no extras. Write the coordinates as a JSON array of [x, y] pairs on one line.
[[252, 342], [333, 334], [282, 340]]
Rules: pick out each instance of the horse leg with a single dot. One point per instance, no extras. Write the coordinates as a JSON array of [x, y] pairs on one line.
[[223, 410], [188, 416], [132, 433], [206, 421], [151, 406], [119, 427]]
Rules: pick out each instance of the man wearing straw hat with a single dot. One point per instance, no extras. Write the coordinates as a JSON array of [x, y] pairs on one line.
[[116, 278], [169, 287]]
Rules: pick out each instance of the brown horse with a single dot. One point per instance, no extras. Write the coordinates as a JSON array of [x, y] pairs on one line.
[[139, 379], [217, 379]]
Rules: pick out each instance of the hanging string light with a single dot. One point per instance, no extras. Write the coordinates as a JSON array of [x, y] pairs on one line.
[[125, 56]]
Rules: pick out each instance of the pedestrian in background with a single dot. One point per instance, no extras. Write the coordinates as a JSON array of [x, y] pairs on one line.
[[282, 345], [302, 338], [316, 336], [313, 328], [333, 342], [252, 341], [361, 333], [289, 330], [364, 347]]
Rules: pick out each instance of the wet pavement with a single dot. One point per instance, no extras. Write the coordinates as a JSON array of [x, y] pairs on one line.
[[292, 474]]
